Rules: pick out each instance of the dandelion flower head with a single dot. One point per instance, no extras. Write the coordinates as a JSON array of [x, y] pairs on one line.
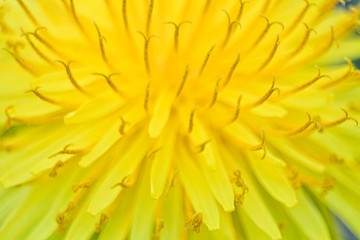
[[158, 119]]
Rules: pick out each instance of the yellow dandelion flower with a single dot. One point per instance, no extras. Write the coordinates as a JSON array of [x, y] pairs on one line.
[[207, 119]]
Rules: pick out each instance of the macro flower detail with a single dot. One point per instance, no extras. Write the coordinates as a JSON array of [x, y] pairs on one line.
[[160, 119]]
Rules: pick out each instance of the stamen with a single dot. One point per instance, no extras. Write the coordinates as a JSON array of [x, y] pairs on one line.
[[66, 150], [38, 52], [146, 51], [328, 184], [207, 6], [191, 121], [239, 183], [122, 126], [149, 16], [304, 41], [230, 28], [60, 220], [159, 225], [177, 29], [216, 92], [71, 77], [151, 155], [125, 183], [206, 60], [293, 176], [28, 13], [183, 81], [101, 43], [304, 127], [83, 185], [266, 96], [305, 85], [237, 110], [101, 222], [349, 72], [242, 5], [20, 61], [194, 223], [263, 144], [341, 120], [271, 56], [232, 69], [202, 146], [108, 80], [125, 19], [147, 96], [44, 42], [301, 15], [76, 19], [266, 30], [336, 160], [42, 97], [53, 171]]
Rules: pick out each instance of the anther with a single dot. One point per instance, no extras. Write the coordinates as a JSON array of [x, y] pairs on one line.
[[28, 13], [149, 16], [230, 28], [241, 10], [191, 121], [147, 96], [206, 60], [101, 222], [124, 12], [108, 80], [216, 92], [101, 43], [71, 77], [232, 69], [177, 30], [183, 81], [83, 185], [122, 126], [195, 222], [271, 55], [266, 30], [53, 171], [146, 51], [38, 52]]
